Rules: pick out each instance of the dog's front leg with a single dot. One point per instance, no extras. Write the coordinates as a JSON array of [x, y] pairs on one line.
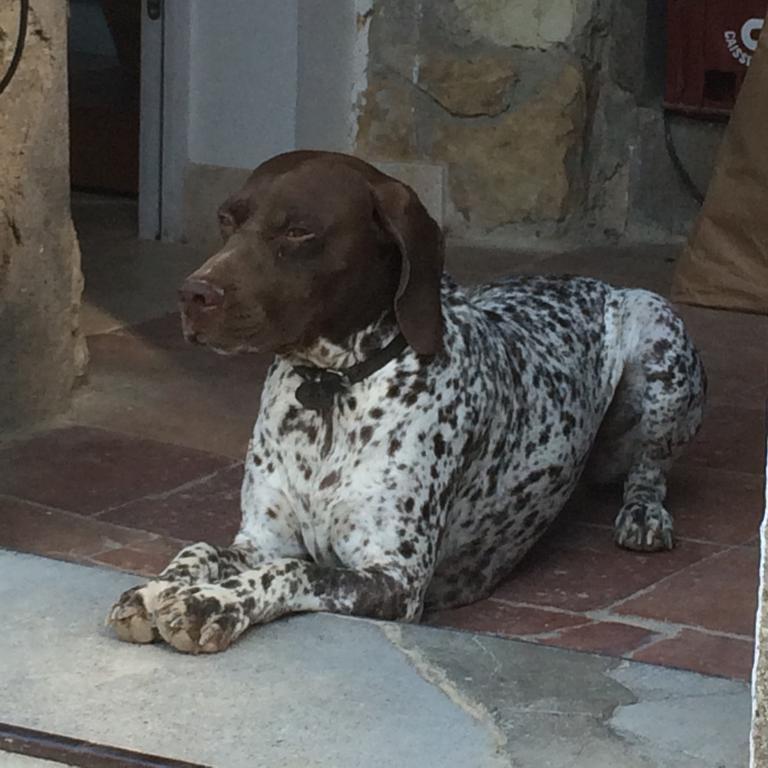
[[271, 537], [132, 616], [208, 618]]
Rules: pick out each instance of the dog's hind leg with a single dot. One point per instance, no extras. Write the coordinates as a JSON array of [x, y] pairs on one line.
[[657, 409]]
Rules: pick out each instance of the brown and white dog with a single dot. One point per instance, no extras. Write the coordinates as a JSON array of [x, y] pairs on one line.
[[415, 438]]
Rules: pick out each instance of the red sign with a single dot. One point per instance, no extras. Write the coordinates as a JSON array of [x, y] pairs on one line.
[[709, 47]]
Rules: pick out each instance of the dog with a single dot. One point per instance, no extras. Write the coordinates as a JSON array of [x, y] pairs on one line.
[[415, 438]]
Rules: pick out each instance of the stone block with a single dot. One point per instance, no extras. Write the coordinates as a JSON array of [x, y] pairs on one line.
[[468, 87], [521, 166], [385, 127], [42, 349], [525, 23]]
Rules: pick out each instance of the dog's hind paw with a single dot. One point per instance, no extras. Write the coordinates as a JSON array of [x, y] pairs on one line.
[[644, 527]]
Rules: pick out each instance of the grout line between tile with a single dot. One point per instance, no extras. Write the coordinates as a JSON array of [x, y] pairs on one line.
[[663, 627], [138, 545], [190, 484], [555, 633], [39, 505], [655, 637], [76, 517], [522, 604], [603, 527], [645, 590], [92, 561], [730, 546], [658, 626]]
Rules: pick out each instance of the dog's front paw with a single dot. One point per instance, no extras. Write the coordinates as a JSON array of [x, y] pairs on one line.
[[132, 616], [645, 527], [200, 619]]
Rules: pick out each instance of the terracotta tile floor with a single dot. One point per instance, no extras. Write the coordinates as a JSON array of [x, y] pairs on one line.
[[150, 455]]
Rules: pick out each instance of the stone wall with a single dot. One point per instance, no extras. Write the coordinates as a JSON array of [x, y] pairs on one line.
[[545, 113], [41, 350]]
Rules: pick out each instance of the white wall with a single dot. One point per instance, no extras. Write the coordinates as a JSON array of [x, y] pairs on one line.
[[243, 80], [326, 74]]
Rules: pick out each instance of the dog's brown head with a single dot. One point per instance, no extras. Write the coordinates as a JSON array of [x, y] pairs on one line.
[[317, 245]]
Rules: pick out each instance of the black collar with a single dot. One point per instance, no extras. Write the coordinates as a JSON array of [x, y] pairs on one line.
[[321, 385]]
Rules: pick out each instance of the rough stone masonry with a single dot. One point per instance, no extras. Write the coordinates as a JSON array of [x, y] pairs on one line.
[[41, 349], [545, 113]]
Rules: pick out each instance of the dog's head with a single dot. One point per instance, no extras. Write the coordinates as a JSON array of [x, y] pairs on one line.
[[317, 245]]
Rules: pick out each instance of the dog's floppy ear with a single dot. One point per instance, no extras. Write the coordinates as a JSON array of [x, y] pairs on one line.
[[420, 242]]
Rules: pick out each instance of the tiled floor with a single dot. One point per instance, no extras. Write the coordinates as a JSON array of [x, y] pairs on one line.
[[149, 458]]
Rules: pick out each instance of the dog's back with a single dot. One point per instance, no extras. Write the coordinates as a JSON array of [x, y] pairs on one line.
[[563, 369]]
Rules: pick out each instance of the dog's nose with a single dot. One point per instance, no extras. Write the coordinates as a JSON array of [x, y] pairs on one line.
[[200, 294]]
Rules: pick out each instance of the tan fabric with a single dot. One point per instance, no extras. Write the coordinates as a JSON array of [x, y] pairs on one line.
[[725, 262]]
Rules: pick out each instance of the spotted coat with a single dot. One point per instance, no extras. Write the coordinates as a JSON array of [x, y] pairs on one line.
[[433, 477]]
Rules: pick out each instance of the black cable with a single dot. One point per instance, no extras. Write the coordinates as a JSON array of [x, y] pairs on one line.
[[11, 71], [685, 177]]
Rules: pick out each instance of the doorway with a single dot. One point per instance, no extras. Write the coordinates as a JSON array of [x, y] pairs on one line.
[[104, 57]]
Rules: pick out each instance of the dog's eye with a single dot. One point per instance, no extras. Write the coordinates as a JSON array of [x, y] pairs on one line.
[[298, 233]]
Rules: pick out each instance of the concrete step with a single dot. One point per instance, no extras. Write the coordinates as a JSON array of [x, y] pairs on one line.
[[327, 691]]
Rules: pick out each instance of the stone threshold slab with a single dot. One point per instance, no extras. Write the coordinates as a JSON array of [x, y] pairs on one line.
[[326, 691]]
